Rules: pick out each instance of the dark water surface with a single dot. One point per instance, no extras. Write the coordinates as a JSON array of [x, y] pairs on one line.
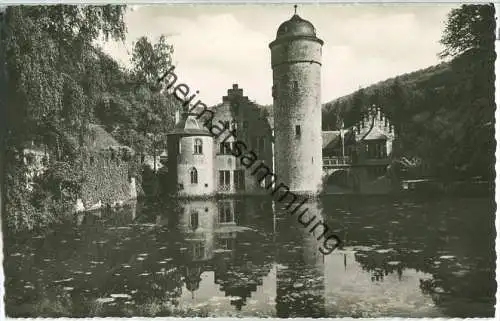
[[247, 257]]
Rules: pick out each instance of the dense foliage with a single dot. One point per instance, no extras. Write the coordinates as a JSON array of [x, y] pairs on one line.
[[444, 115], [58, 82]]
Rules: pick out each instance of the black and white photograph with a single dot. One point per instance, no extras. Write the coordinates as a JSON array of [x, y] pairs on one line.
[[256, 160]]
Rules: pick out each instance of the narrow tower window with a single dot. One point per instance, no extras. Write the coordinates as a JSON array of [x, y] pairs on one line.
[[194, 220], [297, 130], [194, 175], [295, 86], [198, 146]]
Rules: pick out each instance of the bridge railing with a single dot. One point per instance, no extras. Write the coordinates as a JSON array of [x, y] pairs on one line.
[[337, 160]]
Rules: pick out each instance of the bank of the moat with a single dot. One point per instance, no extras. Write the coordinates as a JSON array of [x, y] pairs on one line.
[[245, 257]]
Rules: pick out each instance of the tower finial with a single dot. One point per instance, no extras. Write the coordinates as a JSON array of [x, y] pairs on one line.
[[295, 9]]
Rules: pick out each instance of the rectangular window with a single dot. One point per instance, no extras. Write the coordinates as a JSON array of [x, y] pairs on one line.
[[297, 131], [225, 148], [198, 251], [225, 212], [239, 179], [224, 179], [226, 244]]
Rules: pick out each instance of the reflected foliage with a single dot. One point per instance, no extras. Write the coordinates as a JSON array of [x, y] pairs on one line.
[[149, 260]]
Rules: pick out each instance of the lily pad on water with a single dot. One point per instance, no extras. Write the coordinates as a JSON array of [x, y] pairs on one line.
[[65, 280], [104, 300], [121, 296]]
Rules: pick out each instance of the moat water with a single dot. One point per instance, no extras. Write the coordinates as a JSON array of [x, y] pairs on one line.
[[247, 257]]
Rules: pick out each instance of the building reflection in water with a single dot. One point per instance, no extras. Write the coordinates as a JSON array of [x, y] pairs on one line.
[[218, 242], [300, 269]]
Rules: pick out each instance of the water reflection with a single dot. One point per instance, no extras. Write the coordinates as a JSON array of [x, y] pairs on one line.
[[301, 269], [248, 257]]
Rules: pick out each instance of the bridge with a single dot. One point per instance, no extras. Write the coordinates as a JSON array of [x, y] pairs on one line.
[[341, 171]]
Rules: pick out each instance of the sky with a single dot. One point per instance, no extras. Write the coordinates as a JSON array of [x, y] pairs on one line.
[[216, 46]]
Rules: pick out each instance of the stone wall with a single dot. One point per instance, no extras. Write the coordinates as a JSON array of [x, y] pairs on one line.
[[106, 179], [297, 113]]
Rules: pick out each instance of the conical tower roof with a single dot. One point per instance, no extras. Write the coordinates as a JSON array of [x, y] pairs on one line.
[[190, 126]]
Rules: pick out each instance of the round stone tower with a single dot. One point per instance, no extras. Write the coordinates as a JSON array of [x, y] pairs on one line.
[[190, 158], [296, 64]]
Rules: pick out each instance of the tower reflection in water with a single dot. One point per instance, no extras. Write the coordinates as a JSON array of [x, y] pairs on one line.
[[220, 256], [300, 270]]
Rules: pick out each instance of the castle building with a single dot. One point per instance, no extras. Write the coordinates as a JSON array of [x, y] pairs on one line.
[[249, 124], [296, 64], [369, 143], [287, 138], [204, 164], [192, 166]]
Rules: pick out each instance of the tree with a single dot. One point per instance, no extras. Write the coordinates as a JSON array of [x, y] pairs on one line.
[[469, 27], [48, 50], [156, 112], [48, 59], [150, 61]]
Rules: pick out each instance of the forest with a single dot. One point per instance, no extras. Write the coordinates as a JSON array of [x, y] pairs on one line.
[[444, 114], [55, 80]]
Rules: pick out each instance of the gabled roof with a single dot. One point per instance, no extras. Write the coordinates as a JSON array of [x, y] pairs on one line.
[[375, 134], [189, 125]]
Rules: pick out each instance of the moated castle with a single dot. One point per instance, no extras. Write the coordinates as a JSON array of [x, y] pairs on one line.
[[287, 138]]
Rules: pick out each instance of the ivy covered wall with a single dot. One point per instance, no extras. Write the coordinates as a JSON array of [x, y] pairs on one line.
[[106, 177]]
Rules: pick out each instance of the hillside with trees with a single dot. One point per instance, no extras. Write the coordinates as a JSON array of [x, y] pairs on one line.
[[444, 114]]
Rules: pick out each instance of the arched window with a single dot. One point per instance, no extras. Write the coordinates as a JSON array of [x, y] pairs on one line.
[[194, 175], [198, 146]]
